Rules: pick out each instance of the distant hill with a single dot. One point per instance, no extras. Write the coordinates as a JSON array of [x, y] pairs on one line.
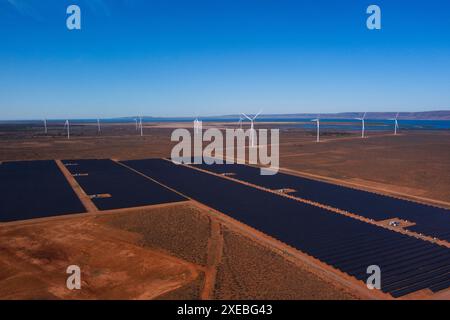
[[425, 115]]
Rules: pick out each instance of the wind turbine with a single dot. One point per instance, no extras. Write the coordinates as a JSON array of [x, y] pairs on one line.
[[363, 124], [67, 125], [395, 123], [98, 126], [252, 129], [196, 125], [318, 127], [140, 125], [45, 126], [240, 122]]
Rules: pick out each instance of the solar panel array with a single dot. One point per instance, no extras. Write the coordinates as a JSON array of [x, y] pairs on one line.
[[407, 264], [35, 189], [32, 189], [431, 221], [126, 188]]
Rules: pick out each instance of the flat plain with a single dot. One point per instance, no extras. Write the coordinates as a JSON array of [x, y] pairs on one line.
[[182, 250]]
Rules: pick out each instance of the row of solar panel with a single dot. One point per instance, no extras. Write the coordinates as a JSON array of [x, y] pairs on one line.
[[407, 264], [38, 188], [429, 220], [124, 187], [34, 189]]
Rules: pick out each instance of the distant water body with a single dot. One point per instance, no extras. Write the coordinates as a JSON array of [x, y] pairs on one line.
[[286, 123], [376, 125], [327, 124]]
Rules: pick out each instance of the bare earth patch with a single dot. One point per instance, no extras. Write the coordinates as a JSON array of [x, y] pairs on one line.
[[34, 258], [181, 230]]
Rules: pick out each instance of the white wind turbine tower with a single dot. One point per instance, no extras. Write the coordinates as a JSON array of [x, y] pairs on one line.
[[140, 126], [196, 125], [252, 129], [395, 123], [98, 126], [363, 128], [45, 126], [136, 121], [240, 122], [67, 125], [318, 127]]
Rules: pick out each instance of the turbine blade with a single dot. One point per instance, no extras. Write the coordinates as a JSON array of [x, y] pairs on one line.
[[254, 117], [247, 117]]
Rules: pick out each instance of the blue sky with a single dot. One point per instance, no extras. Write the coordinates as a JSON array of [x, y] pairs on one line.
[[211, 57]]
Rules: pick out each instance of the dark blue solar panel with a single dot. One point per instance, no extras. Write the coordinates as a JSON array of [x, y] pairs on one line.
[[35, 189], [441, 285], [430, 220], [419, 285], [127, 188], [308, 228]]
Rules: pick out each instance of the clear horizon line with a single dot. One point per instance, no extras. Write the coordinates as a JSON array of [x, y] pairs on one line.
[[409, 113]]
